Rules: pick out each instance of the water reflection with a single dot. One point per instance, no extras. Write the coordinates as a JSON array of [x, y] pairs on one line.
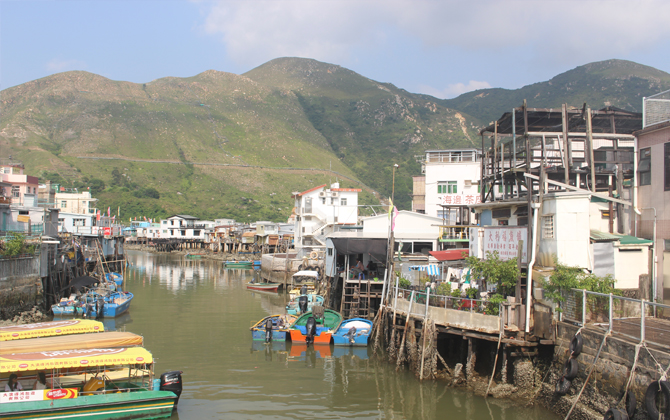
[[195, 317]]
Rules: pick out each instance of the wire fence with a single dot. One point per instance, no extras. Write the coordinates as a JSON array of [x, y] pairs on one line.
[[479, 306]]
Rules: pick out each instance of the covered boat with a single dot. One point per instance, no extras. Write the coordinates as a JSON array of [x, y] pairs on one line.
[[353, 332], [76, 341], [293, 306], [327, 321], [280, 324], [101, 383], [307, 278], [48, 329]]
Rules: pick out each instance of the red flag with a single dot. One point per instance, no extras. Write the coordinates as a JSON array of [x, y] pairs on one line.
[[97, 216], [109, 211]]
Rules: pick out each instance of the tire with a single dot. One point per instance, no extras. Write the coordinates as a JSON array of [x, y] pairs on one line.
[[576, 345], [651, 399], [615, 414], [563, 386], [570, 369], [631, 404]]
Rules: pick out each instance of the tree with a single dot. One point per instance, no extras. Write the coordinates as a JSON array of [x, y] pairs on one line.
[[492, 269]]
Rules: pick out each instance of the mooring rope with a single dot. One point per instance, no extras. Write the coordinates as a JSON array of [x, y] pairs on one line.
[[495, 362], [593, 366]]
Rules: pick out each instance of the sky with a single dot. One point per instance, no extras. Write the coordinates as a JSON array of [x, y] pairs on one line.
[[437, 47]]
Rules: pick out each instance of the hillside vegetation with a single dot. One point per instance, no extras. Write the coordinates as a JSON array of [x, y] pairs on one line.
[[225, 145]]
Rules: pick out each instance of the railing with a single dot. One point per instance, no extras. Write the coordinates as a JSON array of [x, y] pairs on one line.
[[8, 228], [622, 315], [455, 233]]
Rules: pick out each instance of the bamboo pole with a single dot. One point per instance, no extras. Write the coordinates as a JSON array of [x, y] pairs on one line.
[[404, 334]]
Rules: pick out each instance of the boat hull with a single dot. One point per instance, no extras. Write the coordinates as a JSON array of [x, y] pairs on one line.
[[323, 337], [277, 335], [264, 287], [127, 405], [110, 309], [342, 337], [239, 264]]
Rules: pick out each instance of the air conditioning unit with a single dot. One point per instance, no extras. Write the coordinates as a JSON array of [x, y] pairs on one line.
[[335, 193], [468, 182], [322, 194]]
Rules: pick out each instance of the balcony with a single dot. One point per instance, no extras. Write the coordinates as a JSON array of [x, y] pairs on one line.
[[455, 233]]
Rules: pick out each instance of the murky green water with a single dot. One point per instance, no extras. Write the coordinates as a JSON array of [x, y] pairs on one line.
[[195, 317]]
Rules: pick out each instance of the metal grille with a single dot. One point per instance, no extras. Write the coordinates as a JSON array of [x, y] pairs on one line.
[[656, 108]]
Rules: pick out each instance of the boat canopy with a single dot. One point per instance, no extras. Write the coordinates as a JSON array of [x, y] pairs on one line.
[[62, 359], [46, 329], [77, 341]]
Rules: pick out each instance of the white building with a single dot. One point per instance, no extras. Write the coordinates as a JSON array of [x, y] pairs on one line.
[[181, 227], [450, 183], [75, 202], [320, 211]]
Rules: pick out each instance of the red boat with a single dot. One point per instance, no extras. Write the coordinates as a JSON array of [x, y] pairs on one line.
[[263, 287], [451, 254]]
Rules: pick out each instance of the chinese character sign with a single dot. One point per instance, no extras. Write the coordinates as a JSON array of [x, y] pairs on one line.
[[459, 199], [505, 240]]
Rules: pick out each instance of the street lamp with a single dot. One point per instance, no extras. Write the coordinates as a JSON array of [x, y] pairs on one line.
[[393, 184]]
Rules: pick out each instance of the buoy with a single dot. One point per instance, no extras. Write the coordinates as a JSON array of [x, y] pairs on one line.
[[314, 255]]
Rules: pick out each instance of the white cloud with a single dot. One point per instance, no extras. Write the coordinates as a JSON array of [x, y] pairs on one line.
[[332, 30], [57, 65], [453, 90]]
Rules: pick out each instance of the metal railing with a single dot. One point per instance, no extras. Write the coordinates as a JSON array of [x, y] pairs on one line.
[[480, 306], [629, 317]]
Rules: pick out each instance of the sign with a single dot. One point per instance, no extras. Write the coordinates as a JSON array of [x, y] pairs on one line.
[[505, 240], [459, 199], [23, 219], [38, 395], [108, 231]]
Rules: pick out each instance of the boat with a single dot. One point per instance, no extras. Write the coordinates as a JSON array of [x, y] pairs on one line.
[[257, 263], [263, 287], [293, 306], [307, 278], [325, 326], [280, 325], [239, 264], [116, 278], [49, 329], [353, 332], [194, 256], [111, 339], [99, 383], [114, 303]]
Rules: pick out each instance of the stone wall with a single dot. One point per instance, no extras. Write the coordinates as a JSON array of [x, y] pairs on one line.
[[20, 285]]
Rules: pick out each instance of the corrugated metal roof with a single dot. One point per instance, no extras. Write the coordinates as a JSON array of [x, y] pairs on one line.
[[598, 236]]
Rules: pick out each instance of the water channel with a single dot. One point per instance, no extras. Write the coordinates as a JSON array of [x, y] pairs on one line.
[[195, 317]]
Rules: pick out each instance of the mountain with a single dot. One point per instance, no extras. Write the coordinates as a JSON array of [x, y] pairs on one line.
[[220, 144], [618, 83]]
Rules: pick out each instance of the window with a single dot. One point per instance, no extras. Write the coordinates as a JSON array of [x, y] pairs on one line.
[[330, 252], [343, 201], [447, 187], [666, 166], [183, 233], [644, 166], [63, 204], [548, 227], [323, 200], [16, 191]]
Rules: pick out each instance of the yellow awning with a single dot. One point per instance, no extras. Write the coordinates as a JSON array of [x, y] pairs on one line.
[[60, 359], [46, 329], [76, 341]]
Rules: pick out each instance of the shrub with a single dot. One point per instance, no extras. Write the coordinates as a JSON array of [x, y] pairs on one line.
[[17, 245], [403, 283], [493, 304], [444, 289], [494, 270]]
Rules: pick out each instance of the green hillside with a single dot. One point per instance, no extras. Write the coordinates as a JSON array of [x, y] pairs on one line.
[[618, 83]]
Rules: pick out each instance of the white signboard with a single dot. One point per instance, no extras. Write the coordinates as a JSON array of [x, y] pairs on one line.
[[458, 199], [505, 240]]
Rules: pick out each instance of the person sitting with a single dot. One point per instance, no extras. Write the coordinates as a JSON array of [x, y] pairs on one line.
[[40, 382], [13, 384]]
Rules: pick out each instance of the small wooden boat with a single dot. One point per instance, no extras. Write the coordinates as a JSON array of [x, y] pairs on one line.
[[239, 264], [353, 332], [116, 278], [325, 326], [293, 306], [263, 287], [194, 256], [307, 278], [280, 325], [111, 303]]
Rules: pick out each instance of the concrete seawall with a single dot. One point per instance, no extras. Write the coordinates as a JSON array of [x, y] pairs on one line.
[[20, 285]]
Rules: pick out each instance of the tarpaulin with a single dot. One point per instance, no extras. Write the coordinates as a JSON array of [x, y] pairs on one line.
[[77, 341], [73, 358], [46, 329]]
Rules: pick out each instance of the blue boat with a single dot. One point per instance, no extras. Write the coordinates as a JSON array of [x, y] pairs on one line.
[[115, 304], [280, 324], [114, 277], [353, 332], [294, 309]]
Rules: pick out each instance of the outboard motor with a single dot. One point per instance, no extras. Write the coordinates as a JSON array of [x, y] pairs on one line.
[[302, 304], [352, 335], [310, 326], [171, 381], [303, 289], [99, 307], [268, 330]]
